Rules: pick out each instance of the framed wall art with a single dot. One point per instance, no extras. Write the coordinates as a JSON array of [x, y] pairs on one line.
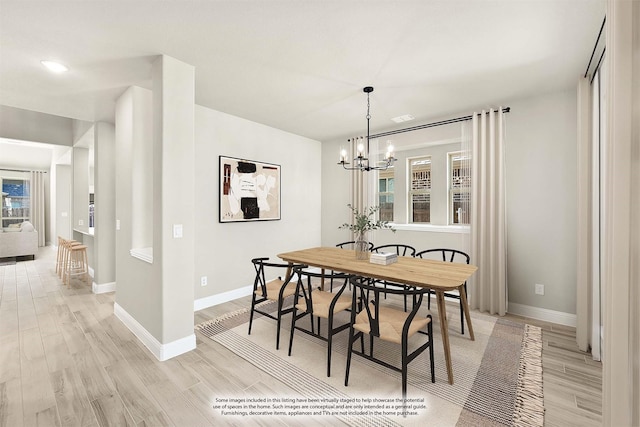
[[249, 191]]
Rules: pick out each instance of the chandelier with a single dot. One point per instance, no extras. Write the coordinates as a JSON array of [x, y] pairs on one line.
[[361, 161]]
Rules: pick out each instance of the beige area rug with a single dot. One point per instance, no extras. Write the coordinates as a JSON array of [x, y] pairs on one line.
[[497, 377]]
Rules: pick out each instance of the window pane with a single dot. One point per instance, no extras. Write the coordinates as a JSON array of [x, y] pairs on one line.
[[421, 207], [385, 195], [419, 190], [386, 208], [460, 208], [460, 187]]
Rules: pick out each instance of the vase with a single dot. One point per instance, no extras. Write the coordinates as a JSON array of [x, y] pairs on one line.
[[361, 246]]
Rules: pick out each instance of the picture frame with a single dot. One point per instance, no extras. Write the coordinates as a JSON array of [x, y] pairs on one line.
[[249, 190]]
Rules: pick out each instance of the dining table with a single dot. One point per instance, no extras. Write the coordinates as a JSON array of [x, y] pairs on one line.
[[439, 276]]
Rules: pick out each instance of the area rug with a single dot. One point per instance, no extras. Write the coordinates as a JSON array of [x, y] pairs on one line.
[[497, 377]]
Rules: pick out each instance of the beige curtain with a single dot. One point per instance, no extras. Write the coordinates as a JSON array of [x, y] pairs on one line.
[[37, 204], [488, 236], [584, 220], [621, 252]]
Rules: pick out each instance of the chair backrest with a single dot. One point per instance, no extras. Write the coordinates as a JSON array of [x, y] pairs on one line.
[[350, 245], [367, 297], [398, 248], [306, 279], [261, 265], [442, 254]]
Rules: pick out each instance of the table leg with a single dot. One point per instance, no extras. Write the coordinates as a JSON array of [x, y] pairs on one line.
[[444, 330], [467, 315], [288, 275]]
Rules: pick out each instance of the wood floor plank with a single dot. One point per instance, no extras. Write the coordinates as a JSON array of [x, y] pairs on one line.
[[159, 420], [214, 379], [48, 324], [110, 411], [176, 369], [38, 399], [57, 352], [75, 338], [135, 396], [11, 403], [10, 356], [105, 350], [177, 407], [46, 417], [73, 404], [95, 380]]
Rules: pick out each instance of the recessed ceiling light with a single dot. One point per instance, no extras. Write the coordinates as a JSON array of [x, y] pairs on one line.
[[54, 67], [405, 118]]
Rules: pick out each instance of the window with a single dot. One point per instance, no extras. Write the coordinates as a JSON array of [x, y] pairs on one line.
[[385, 195], [459, 188], [15, 201], [419, 189]]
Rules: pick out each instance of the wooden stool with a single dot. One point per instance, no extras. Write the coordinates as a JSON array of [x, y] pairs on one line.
[[61, 257], [76, 263]]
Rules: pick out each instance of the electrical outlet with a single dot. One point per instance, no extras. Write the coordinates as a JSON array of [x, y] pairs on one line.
[[80, 222], [539, 289], [203, 281], [177, 231]]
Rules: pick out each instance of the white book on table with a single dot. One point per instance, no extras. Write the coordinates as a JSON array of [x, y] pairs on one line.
[[384, 256], [383, 261]]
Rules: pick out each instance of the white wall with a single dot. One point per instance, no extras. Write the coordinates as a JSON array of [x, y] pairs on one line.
[[223, 251], [541, 170], [63, 209], [26, 125]]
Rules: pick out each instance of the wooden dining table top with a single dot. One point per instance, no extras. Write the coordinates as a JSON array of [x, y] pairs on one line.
[[426, 273]]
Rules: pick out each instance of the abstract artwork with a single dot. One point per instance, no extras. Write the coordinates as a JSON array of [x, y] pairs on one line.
[[249, 191]]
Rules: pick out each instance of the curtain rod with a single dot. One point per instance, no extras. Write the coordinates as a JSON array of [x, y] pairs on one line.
[[20, 170], [430, 125], [586, 72]]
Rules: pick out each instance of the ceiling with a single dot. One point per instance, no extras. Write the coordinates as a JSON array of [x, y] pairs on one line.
[[299, 66]]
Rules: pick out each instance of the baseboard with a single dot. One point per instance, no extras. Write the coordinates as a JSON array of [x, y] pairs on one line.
[[210, 301], [161, 351], [547, 315], [103, 287]]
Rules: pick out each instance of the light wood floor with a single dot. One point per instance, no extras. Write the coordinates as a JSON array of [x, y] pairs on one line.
[[66, 360]]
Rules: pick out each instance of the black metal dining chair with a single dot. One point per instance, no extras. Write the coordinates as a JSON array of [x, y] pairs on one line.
[[311, 301], [400, 250], [275, 290], [447, 255], [371, 318], [349, 245]]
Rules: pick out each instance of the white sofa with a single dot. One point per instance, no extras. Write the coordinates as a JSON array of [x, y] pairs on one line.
[[18, 243]]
